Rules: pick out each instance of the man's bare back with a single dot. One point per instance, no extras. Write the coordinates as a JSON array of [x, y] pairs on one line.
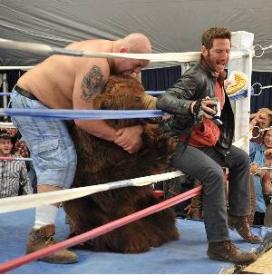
[[55, 80], [62, 82]]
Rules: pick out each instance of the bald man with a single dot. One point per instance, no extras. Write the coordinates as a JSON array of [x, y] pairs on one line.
[[64, 82]]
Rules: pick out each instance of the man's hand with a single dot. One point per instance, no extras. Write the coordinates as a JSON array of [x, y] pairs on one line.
[[207, 106], [130, 138], [254, 168], [260, 119]]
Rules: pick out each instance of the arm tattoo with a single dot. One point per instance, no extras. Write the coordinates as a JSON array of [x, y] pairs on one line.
[[92, 84]]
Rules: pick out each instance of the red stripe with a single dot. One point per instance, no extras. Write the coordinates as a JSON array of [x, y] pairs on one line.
[[9, 265], [15, 158], [8, 158]]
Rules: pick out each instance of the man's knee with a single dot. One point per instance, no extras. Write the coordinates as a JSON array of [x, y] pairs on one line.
[[242, 158], [214, 172], [213, 181]]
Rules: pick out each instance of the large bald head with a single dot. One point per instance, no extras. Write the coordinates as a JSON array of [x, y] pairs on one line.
[[133, 43], [136, 43]]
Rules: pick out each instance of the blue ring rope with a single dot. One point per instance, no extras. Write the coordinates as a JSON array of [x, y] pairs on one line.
[[155, 92], [66, 114]]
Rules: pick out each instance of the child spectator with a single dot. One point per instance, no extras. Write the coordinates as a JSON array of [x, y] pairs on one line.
[[20, 148], [13, 173]]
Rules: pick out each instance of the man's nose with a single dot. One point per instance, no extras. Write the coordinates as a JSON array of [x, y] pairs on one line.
[[226, 55]]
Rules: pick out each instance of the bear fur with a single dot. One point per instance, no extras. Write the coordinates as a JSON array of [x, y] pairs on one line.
[[100, 161]]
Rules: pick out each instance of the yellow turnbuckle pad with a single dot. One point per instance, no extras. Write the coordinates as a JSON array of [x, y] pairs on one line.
[[238, 82]]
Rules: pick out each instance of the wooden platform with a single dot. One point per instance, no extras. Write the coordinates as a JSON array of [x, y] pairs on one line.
[[262, 265]]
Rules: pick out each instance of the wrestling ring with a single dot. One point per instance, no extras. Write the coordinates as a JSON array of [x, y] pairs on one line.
[[166, 259]]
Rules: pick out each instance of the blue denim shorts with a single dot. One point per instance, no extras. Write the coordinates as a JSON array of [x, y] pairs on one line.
[[51, 147]]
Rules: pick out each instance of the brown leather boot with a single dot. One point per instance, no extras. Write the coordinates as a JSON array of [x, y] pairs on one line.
[[194, 209], [228, 252], [43, 237], [242, 226]]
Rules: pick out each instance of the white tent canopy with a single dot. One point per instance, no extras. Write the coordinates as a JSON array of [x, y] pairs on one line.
[[172, 26]]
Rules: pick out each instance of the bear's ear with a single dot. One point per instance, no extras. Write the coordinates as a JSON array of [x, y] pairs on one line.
[[111, 84], [121, 92]]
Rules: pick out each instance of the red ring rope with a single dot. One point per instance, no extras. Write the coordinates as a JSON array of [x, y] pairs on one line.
[[15, 158], [9, 265]]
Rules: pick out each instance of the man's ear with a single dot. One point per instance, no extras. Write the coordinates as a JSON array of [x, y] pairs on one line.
[[204, 51], [124, 50]]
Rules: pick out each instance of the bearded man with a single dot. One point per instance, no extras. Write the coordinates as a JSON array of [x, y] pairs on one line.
[[204, 123]]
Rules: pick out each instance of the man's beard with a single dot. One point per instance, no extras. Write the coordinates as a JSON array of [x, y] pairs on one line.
[[211, 67], [211, 64]]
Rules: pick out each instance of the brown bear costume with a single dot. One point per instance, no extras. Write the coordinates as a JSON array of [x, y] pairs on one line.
[[100, 161]]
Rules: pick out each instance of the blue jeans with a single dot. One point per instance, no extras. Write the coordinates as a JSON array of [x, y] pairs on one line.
[[51, 147]]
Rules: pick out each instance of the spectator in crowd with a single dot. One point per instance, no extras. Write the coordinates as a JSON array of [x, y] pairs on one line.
[[14, 179], [20, 150], [260, 120], [258, 160], [261, 155], [267, 183]]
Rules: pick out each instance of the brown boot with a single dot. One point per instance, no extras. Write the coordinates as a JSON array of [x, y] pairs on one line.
[[194, 209], [242, 226], [43, 237], [227, 251]]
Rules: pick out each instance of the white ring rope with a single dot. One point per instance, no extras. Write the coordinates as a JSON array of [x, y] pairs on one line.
[[153, 57], [7, 125], [10, 204], [10, 68]]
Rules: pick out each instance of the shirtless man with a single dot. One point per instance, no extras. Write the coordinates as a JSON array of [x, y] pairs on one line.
[[62, 82]]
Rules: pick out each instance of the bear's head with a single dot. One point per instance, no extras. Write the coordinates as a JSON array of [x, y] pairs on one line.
[[124, 93]]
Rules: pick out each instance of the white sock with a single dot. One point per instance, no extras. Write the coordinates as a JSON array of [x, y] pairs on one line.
[[45, 214]]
